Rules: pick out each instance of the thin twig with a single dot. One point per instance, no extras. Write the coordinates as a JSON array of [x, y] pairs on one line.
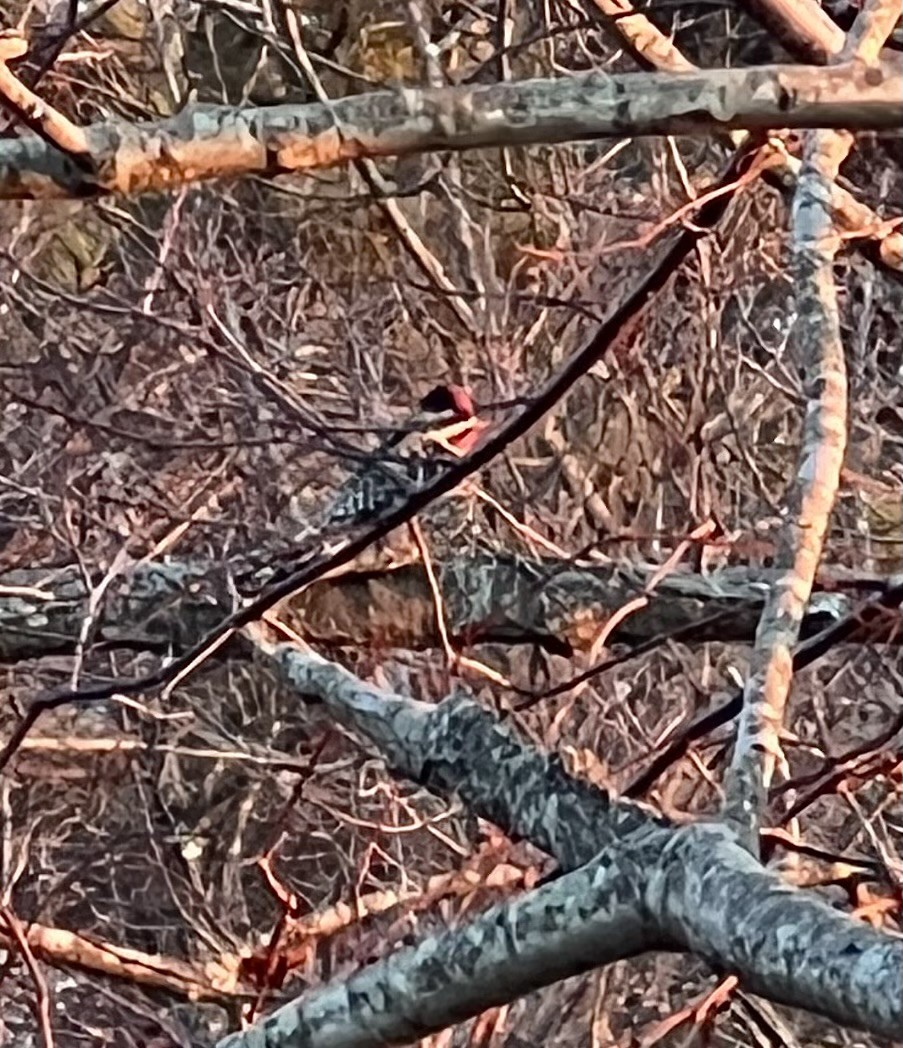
[[42, 1002], [611, 338], [864, 620]]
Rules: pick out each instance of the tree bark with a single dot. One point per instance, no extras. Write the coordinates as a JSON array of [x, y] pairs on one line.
[[503, 600], [220, 141], [636, 883]]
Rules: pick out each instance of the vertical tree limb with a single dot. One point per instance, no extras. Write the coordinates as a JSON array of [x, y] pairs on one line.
[[820, 355]]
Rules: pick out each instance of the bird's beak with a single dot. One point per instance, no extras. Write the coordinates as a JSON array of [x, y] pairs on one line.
[[458, 437], [430, 422]]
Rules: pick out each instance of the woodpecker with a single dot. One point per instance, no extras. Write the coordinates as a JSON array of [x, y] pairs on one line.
[[446, 427]]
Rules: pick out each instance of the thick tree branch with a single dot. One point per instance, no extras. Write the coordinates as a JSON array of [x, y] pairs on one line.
[[500, 599], [650, 46], [820, 355], [448, 748], [694, 883], [785, 944], [652, 885], [44, 120], [870, 623], [214, 141], [593, 916]]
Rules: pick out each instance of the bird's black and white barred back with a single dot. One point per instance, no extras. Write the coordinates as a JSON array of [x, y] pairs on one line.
[[381, 486], [410, 459]]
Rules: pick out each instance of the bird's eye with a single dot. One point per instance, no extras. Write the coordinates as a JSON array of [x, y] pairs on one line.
[[444, 399], [438, 401]]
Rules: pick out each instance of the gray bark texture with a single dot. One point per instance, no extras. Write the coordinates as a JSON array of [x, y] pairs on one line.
[[170, 606], [651, 886], [220, 141]]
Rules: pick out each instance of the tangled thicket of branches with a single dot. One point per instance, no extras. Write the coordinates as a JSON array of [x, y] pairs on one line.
[[595, 739]]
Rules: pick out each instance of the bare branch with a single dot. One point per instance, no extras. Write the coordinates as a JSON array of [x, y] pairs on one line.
[[216, 141], [872, 27], [42, 118], [802, 26], [19, 939], [651, 886], [820, 353], [868, 623], [58, 946], [407, 235], [449, 748], [653, 47], [692, 887], [821, 356], [609, 337], [498, 599], [593, 916], [645, 41]]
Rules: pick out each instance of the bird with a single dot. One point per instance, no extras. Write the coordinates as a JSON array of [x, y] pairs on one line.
[[446, 427]]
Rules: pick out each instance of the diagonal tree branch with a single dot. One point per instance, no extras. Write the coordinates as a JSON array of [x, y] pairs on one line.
[[450, 747], [650, 886], [868, 623], [809, 33], [803, 27], [609, 338], [694, 884], [591, 917], [868, 34], [55, 128]]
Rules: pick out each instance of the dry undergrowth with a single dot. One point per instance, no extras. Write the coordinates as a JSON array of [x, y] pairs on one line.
[[236, 819]]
